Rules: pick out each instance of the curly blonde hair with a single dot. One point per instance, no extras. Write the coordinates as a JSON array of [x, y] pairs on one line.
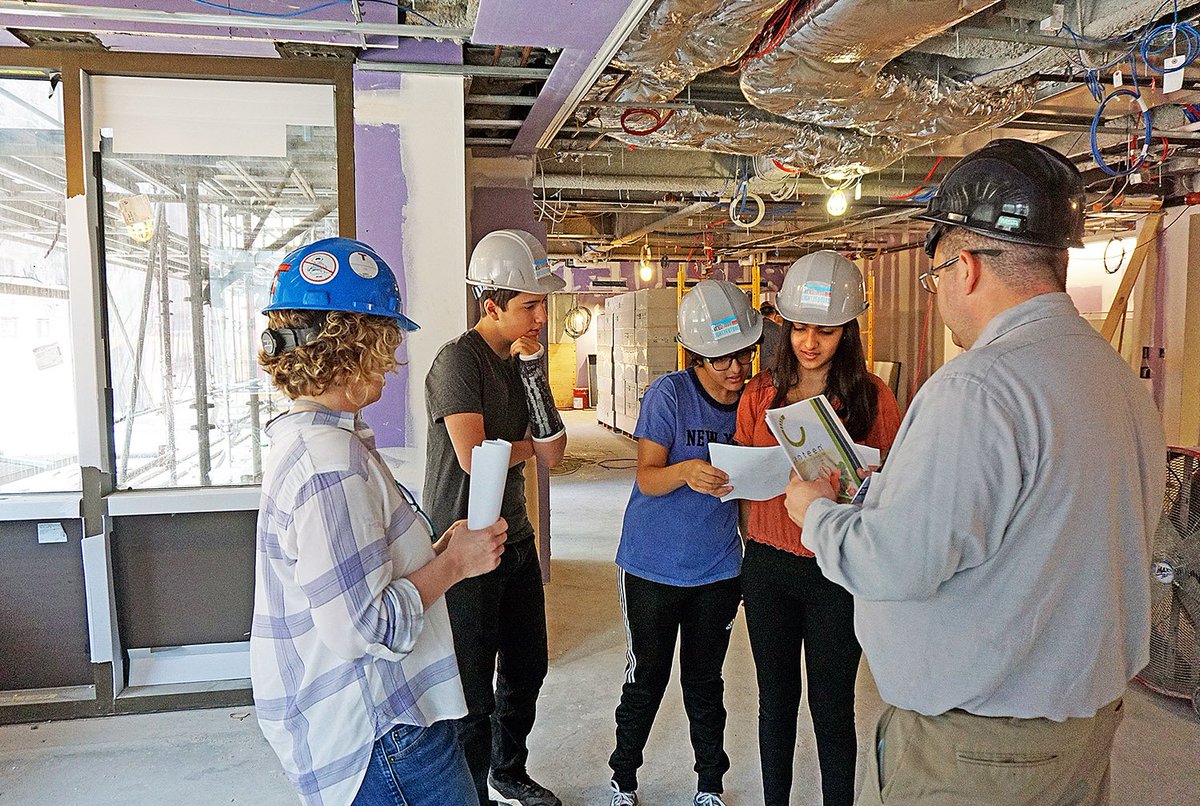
[[352, 350]]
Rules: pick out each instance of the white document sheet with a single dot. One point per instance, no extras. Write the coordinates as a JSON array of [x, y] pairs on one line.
[[756, 474], [868, 455], [489, 470]]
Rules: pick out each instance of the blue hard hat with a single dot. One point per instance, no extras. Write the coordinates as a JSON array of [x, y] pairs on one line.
[[337, 274]]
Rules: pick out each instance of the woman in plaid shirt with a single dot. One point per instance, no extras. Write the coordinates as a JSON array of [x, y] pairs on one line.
[[352, 659]]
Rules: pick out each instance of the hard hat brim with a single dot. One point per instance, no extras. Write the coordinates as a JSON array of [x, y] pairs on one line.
[[547, 285], [811, 316]]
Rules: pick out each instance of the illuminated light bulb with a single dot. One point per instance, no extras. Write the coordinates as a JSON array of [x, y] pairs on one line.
[[646, 272], [837, 204]]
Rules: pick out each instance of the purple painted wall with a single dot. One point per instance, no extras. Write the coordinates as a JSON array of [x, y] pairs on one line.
[[381, 193]]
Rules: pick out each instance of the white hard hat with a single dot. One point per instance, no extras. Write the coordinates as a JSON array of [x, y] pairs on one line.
[[822, 288], [514, 260], [716, 319]]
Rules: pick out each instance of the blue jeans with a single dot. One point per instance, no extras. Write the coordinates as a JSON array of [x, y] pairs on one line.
[[413, 766]]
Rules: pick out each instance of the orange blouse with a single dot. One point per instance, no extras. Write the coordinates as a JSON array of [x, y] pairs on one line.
[[769, 521]]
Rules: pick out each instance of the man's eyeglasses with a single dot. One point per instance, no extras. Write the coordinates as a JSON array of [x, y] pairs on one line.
[[929, 278], [743, 357]]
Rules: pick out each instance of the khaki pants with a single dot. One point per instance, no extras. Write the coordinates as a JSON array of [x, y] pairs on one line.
[[958, 759]]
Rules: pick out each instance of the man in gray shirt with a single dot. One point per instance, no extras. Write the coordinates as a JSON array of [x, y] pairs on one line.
[[999, 562]]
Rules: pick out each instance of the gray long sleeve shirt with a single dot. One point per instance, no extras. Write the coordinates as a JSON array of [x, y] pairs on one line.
[[1000, 562]]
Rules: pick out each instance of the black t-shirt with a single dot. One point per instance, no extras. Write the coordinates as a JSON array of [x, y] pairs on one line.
[[468, 377]]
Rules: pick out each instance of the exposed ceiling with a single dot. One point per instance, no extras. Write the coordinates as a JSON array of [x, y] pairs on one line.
[[882, 112]]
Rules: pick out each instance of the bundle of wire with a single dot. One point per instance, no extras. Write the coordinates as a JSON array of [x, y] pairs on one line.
[[1148, 45]]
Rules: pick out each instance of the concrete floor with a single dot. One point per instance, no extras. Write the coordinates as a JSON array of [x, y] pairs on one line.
[[218, 756]]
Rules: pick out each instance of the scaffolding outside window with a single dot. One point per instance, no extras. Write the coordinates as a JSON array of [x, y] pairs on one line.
[[193, 232], [39, 449]]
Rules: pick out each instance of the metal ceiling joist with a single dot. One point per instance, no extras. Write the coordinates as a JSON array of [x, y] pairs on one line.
[[693, 209], [488, 141], [474, 70], [491, 123], [501, 100]]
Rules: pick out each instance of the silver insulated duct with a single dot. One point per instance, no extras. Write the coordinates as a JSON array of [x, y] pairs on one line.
[[832, 70], [678, 40]]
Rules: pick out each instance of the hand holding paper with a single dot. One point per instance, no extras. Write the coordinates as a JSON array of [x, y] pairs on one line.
[[756, 474], [489, 470]]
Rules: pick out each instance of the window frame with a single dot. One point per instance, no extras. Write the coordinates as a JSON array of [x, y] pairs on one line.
[[88, 302]]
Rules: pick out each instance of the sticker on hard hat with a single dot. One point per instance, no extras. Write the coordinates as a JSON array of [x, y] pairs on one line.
[[814, 294], [540, 269], [1008, 223], [726, 327], [319, 268], [364, 265]]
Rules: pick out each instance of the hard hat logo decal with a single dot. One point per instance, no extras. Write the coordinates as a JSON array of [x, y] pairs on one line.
[[728, 326], [794, 443], [275, 280], [319, 268], [363, 265], [541, 268], [815, 294]]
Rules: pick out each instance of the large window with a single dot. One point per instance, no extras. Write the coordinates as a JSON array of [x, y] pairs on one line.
[[38, 444], [205, 187]]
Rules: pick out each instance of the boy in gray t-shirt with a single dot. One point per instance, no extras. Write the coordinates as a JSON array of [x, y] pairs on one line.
[[491, 383]]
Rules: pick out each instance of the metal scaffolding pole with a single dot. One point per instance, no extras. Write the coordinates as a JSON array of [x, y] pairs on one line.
[[168, 361], [139, 350], [198, 291]]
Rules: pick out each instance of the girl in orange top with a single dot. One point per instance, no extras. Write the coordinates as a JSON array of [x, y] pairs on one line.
[[788, 602]]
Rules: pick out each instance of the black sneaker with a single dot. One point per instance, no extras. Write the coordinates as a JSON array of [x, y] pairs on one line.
[[520, 790]]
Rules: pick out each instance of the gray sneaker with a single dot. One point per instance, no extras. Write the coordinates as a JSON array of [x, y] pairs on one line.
[[707, 799], [620, 798]]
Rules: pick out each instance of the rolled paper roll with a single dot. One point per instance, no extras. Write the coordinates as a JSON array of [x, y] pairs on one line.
[[489, 471]]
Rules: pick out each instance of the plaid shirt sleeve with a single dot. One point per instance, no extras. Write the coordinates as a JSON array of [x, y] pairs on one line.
[[344, 567]]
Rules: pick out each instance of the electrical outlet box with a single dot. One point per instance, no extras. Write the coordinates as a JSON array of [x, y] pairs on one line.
[[1054, 23]]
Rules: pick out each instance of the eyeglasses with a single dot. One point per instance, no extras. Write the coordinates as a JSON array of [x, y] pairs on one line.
[[929, 278], [743, 357]]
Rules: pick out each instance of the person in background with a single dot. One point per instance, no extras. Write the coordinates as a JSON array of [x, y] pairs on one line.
[[351, 659], [772, 334], [491, 383], [680, 554], [998, 564], [790, 604]]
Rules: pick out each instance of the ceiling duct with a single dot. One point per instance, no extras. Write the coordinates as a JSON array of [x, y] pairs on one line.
[[833, 70], [678, 40]]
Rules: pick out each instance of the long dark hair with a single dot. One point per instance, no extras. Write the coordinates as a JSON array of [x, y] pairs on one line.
[[849, 387]]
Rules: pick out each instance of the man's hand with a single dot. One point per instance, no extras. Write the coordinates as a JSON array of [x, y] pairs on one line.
[[526, 345], [801, 493], [704, 478]]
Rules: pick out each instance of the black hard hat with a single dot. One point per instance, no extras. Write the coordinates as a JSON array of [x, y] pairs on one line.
[[1013, 191]]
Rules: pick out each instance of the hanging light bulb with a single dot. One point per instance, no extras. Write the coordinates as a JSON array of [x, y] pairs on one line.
[[138, 217], [646, 272], [837, 204]]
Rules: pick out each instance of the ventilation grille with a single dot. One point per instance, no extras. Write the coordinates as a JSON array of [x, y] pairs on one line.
[[58, 39], [315, 52]]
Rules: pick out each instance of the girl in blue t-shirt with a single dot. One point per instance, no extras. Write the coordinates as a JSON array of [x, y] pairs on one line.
[[680, 554]]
